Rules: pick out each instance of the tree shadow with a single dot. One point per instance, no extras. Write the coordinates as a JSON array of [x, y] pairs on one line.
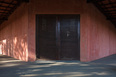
[[17, 68]]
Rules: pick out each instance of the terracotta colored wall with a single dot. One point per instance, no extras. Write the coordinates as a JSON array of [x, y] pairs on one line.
[[48, 7], [97, 34], [58, 7], [101, 34], [13, 37]]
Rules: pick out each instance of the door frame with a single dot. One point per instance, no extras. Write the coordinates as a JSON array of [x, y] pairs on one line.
[[57, 32]]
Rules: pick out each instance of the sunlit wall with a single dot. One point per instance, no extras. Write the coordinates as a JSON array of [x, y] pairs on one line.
[[97, 35], [13, 36]]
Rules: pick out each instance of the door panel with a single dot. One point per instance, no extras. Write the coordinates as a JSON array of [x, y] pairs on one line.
[[69, 38], [47, 37]]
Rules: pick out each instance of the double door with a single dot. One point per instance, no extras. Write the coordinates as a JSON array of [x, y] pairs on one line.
[[58, 37]]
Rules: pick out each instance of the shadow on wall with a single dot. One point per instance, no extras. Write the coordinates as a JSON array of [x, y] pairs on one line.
[[15, 47], [13, 35]]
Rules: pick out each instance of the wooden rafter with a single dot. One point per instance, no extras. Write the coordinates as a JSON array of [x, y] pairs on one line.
[[8, 7], [107, 7]]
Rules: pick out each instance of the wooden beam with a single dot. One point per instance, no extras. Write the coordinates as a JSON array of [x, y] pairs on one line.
[[1, 12], [4, 10], [8, 10], [110, 12], [111, 18], [26, 1], [22, 1], [3, 19], [7, 3], [89, 1], [109, 4], [109, 7], [5, 6]]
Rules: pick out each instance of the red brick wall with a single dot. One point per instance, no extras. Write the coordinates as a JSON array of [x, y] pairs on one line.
[[97, 34]]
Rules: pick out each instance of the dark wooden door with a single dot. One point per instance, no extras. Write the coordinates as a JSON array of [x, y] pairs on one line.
[[47, 37], [69, 38], [58, 37]]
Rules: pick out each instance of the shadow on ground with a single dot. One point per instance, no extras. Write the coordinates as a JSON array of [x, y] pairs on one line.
[[10, 67]]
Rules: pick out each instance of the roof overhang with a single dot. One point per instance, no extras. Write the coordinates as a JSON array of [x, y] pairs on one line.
[[7, 7], [107, 7]]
